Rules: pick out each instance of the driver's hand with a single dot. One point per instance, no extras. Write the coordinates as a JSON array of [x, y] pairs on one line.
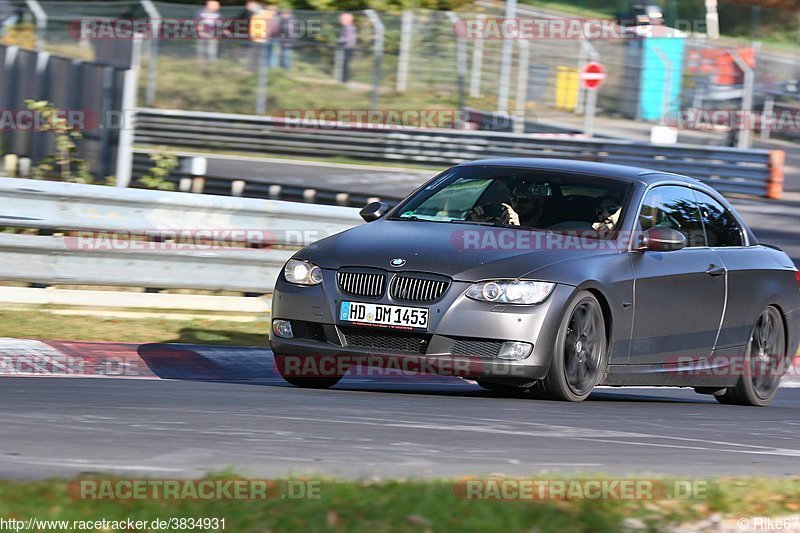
[[477, 213], [510, 217]]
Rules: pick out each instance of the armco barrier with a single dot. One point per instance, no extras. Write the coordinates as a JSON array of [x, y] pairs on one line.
[[729, 170], [227, 186], [57, 208]]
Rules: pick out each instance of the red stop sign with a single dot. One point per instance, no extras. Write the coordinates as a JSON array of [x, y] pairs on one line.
[[593, 75]]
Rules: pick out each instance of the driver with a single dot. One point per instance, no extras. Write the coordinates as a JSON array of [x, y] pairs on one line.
[[524, 208], [608, 211]]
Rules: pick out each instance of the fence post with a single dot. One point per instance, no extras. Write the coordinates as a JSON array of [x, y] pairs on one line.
[[406, 30], [37, 144], [126, 134], [522, 86], [712, 19], [461, 66], [767, 117], [9, 96], [40, 16], [263, 79], [505, 62], [747, 97], [477, 65], [152, 59], [379, 30]]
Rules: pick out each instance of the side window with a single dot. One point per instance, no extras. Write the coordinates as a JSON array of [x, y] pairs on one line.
[[673, 207], [721, 226]]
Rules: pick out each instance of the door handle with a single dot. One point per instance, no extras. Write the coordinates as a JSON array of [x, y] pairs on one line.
[[714, 270]]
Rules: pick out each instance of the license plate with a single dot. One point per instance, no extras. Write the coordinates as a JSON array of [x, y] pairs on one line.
[[393, 316]]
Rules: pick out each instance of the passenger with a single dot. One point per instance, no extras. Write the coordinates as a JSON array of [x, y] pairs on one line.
[[608, 212]]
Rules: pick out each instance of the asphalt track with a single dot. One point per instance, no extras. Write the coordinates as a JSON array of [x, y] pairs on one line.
[[182, 410]]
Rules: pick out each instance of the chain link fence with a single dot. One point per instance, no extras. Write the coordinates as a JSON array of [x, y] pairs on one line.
[[417, 60]]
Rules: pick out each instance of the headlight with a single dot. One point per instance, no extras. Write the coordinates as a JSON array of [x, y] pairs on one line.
[[511, 291], [302, 273]]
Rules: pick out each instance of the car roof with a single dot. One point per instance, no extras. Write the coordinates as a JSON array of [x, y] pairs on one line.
[[621, 172]]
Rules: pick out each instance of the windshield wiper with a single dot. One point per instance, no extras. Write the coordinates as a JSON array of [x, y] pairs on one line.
[[483, 223]]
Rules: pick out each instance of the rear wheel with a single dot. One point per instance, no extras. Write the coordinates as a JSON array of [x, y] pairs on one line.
[[580, 354], [299, 379], [764, 364]]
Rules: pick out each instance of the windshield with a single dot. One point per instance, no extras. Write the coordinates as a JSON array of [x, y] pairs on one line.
[[521, 198]]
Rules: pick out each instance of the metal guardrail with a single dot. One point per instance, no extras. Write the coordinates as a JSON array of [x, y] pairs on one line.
[[184, 181], [730, 170], [88, 229]]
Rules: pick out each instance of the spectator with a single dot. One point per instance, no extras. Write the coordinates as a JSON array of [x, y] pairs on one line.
[[260, 29], [287, 33], [207, 21], [246, 17], [346, 43], [272, 34], [9, 15], [250, 8]]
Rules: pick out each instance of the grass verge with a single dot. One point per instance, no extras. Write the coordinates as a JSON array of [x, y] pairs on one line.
[[412, 506], [46, 325]]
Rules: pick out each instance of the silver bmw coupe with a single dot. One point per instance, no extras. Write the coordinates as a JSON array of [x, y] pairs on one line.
[[550, 277]]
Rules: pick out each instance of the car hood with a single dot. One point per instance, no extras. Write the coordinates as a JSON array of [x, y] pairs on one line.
[[464, 252]]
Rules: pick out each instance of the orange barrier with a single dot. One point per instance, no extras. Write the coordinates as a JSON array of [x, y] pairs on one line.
[[777, 158], [719, 63]]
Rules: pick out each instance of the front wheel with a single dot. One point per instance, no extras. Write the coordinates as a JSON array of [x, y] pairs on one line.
[[765, 362], [580, 352]]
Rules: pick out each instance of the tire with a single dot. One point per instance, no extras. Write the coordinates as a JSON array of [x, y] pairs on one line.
[[765, 362], [305, 382], [580, 354]]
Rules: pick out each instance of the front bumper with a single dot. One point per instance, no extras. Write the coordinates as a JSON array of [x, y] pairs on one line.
[[460, 338]]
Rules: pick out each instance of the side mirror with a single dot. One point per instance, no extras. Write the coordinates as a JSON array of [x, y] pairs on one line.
[[663, 240], [373, 211]]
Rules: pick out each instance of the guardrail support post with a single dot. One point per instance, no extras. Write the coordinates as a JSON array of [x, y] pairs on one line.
[[777, 159], [237, 187], [25, 167], [10, 164]]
